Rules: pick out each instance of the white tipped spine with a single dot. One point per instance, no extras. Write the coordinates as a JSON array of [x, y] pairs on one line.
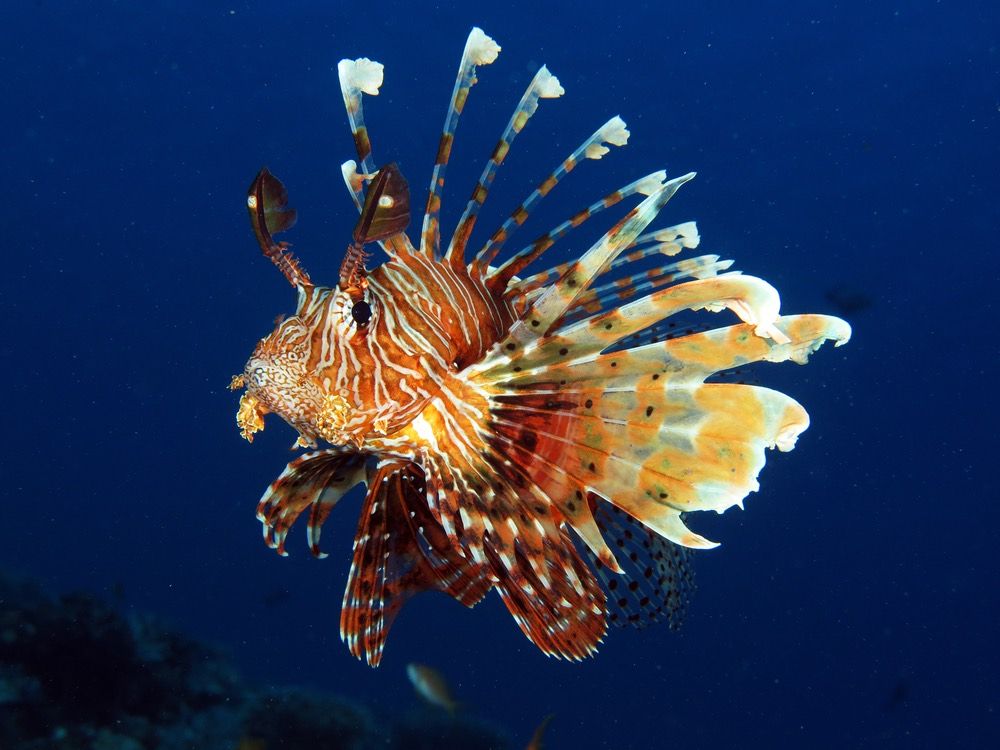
[[361, 75], [547, 86], [481, 49], [614, 132]]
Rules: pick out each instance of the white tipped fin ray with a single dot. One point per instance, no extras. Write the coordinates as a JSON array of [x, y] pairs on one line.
[[361, 75], [480, 49], [544, 85], [613, 132]]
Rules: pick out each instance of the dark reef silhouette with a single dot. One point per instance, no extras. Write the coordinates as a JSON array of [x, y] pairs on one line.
[[75, 673]]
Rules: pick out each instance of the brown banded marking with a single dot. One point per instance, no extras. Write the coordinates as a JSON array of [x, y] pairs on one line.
[[544, 85], [479, 50], [613, 132], [500, 278]]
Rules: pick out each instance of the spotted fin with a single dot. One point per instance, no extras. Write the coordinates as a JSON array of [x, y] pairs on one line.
[[657, 580], [640, 427], [314, 481]]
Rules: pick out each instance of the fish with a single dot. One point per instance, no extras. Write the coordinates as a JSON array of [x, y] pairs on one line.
[[431, 686], [848, 299], [536, 739], [541, 434]]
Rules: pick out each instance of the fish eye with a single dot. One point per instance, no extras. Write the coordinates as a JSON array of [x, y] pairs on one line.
[[361, 312]]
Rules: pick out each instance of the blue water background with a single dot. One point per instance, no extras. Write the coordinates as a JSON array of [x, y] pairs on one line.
[[852, 146]]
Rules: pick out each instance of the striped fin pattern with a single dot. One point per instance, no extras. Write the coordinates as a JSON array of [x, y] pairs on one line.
[[613, 132], [399, 551], [668, 242], [619, 291], [359, 77], [479, 489], [315, 481], [479, 50], [543, 86], [502, 276], [547, 437]]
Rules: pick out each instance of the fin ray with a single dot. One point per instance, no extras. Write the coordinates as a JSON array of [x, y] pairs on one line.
[[399, 551], [479, 50], [314, 481]]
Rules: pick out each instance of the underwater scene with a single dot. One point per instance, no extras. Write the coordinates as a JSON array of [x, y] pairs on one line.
[[500, 376]]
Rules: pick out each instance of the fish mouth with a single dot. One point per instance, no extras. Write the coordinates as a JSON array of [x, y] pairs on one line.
[[277, 387], [273, 388]]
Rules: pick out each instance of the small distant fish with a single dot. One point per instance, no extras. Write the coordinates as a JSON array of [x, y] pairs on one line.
[[848, 300], [431, 686], [274, 597], [536, 738]]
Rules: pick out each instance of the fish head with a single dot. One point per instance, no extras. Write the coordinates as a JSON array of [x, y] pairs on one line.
[[337, 370], [278, 381], [333, 371]]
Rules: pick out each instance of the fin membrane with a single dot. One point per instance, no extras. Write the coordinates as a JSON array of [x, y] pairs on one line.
[[399, 551], [316, 481], [657, 579]]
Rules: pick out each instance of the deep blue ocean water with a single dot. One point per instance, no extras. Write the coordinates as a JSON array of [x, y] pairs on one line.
[[848, 153]]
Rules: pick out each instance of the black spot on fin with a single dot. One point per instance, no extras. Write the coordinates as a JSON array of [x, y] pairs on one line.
[[658, 580]]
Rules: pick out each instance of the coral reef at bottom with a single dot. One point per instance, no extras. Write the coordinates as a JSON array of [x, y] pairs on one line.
[[75, 674]]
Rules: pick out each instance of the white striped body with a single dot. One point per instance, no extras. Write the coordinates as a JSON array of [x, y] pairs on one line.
[[545, 437], [428, 322]]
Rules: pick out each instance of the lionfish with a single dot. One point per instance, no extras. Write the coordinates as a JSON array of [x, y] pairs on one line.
[[541, 434]]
